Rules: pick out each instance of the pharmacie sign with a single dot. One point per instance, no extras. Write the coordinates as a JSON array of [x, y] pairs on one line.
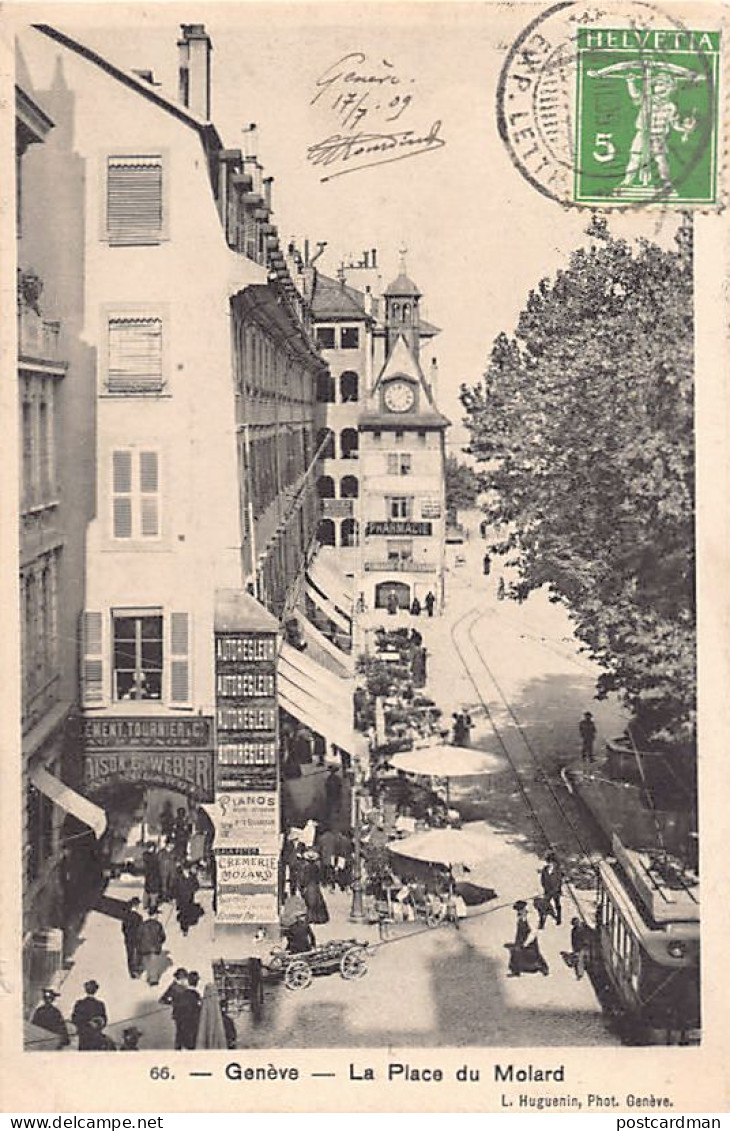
[[397, 528]]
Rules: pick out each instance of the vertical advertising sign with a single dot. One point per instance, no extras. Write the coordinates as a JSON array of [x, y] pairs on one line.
[[247, 777]]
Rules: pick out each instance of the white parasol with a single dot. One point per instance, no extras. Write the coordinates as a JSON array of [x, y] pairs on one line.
[[445, 761], [443, 846]]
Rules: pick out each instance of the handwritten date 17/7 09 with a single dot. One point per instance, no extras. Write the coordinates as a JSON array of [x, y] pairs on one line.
[[370, 149]]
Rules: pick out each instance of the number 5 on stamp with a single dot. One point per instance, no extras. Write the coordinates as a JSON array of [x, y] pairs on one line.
[[646, 115]]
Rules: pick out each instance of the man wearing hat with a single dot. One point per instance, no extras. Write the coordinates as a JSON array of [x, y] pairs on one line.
[[525, 956], [85, 1011], [131, 924], [174, 996], [551, 878], [151, 940], [130, 1039], [49, 1017]]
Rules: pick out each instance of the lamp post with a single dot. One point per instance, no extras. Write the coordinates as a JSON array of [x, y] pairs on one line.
[[357, 912]]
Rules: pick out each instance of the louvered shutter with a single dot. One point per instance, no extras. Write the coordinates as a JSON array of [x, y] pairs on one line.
[[122, 493], [134, 199], [392, 463], [149, 494], [135, 355], [179, 658], [92, 659]]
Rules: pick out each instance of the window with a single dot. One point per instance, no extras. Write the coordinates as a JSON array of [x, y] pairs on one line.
[[349, 386], [349, 338], [134, 199], [399, 463], [135, 494], [326, 337], [137, 656], [400, 506], [135, 355], [400, 550], [27, 441]]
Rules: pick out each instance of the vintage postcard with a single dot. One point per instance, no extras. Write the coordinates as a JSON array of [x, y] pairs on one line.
[[364, 534]]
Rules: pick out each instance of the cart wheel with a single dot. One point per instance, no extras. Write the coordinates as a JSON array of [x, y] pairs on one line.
[[298, 975], [353, 964]]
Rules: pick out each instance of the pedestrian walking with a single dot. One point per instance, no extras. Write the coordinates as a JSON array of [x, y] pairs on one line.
[[429, 601], [415, 607], [167, 866], [151, 939], [48, 1016], [311, 875], [462, 727], [551, 879], [486, 565], [167, 820], [151, 868], [580, 945], [392, 603], [525, 955], [326, 846], [173, 997], [189, 1011], [500, 589], [131, 924], [333, 795], [188, 911], [181, 832], [84, 1013], [587, 729]]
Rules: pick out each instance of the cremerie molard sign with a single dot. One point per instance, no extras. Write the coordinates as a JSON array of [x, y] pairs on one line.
[[246, 710], [170, 753], [394, 527]]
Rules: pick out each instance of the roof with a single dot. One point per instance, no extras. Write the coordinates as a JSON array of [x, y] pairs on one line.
[[334, 299], [208, 132], [238, 611], [426, 420], [403, 362], [402, 286]]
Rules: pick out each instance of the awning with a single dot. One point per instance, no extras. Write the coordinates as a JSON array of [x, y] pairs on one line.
[[319, 699], [323, 651], [323, 602], [66, 798], [327, 577]]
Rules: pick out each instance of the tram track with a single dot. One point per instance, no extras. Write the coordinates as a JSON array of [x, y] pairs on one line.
[[550, 815]]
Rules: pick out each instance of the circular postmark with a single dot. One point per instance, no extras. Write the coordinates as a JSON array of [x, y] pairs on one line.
[[613, 108]]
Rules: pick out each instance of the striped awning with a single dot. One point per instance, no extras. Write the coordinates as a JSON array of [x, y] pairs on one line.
[[70, 801], [320, 700]]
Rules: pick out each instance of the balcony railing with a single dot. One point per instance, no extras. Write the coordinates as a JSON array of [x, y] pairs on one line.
[[402, 565], [37, 337]]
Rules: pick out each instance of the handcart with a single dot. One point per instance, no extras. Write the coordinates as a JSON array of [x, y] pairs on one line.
[[348, 956]]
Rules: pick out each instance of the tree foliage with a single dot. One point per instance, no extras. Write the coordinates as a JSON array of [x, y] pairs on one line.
[[462, 485], [584, 421]]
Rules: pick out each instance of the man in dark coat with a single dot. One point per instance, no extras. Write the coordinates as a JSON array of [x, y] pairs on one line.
[[429, 601], [173, 996], [551, 879], [49, 1017], [188, 911], [151, 940], [167, 866], [84, 1012], [300, 936], [181, 832], [587, 729], [131, 923], [151, 867], [189, 1012]]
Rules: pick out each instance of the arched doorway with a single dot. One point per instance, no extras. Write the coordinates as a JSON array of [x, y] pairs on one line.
[[348, 532], [349, 386], [349, 487], [326, 487], [349, 443], [326, 532], [385, 588]]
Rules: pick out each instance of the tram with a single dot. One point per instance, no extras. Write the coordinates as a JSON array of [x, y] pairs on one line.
[[648, 945]]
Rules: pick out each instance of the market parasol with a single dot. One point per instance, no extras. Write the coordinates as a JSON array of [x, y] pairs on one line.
[[442, 846], [445, 761]]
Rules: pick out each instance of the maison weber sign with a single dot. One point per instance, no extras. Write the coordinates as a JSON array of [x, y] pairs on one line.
[[170, 753], [393, 527]]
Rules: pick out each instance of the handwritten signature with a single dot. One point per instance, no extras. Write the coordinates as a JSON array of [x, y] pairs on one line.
[[342, 148]]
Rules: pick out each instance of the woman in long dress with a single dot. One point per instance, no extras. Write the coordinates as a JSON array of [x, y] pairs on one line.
[[525, 955], [311, 875]]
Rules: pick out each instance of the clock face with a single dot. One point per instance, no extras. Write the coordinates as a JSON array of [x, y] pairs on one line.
[[399, 396]]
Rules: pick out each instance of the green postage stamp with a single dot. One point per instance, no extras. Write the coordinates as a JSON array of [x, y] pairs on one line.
[[646, 115]]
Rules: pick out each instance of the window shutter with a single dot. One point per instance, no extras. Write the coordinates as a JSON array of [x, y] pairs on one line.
[[122, 494], [92, 659], [149, 494], [135, 355], [180, 658], [134, 199]]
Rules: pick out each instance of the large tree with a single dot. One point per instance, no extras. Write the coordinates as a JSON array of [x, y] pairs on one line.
[[584, 421], [462, 485]]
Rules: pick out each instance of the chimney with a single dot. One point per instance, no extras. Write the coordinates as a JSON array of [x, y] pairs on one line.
[[374, 257], [433, 378], [268, 181], [195, 48]]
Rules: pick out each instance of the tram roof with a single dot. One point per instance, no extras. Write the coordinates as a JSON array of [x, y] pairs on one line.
[[678, 901]]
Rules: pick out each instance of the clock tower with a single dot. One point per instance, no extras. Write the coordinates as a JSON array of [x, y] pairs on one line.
[[402, 457]]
